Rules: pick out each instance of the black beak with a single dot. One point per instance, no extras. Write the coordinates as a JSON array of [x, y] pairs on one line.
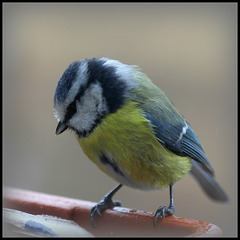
[[61, 127]]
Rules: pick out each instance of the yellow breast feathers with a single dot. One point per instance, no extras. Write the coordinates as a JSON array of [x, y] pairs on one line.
[[124, 146]]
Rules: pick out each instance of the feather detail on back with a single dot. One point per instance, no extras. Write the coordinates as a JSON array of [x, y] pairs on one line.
[[169, 126]]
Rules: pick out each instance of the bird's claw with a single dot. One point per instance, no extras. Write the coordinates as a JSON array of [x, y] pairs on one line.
[[101, 206], [163, 212]]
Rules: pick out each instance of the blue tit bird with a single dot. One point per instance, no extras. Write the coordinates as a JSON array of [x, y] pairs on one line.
[[130, 129]]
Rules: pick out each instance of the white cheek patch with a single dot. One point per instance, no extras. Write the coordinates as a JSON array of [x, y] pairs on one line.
[[92, 105]]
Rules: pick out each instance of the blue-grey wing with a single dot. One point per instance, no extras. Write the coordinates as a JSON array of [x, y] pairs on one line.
[[180, 139]]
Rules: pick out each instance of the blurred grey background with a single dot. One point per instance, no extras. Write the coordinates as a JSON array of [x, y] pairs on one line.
[[189, 50]]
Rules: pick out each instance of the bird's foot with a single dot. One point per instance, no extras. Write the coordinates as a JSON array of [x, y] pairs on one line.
[[104, 204], [163, 212]]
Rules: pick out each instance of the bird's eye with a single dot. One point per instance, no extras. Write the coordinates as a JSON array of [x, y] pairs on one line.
[[72, 107], [71, 110]]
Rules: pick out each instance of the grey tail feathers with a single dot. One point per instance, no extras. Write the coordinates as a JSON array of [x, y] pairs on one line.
[[208, 183]]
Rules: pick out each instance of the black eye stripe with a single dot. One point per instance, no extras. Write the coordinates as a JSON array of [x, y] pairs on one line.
[[71, 110]]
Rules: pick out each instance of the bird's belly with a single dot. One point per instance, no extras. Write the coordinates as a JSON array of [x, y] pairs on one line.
[[121, 175], [124, 147], [142, 164], [145, 173]]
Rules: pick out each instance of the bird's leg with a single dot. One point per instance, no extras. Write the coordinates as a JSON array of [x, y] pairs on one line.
[[105, 203], [163, 212]]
